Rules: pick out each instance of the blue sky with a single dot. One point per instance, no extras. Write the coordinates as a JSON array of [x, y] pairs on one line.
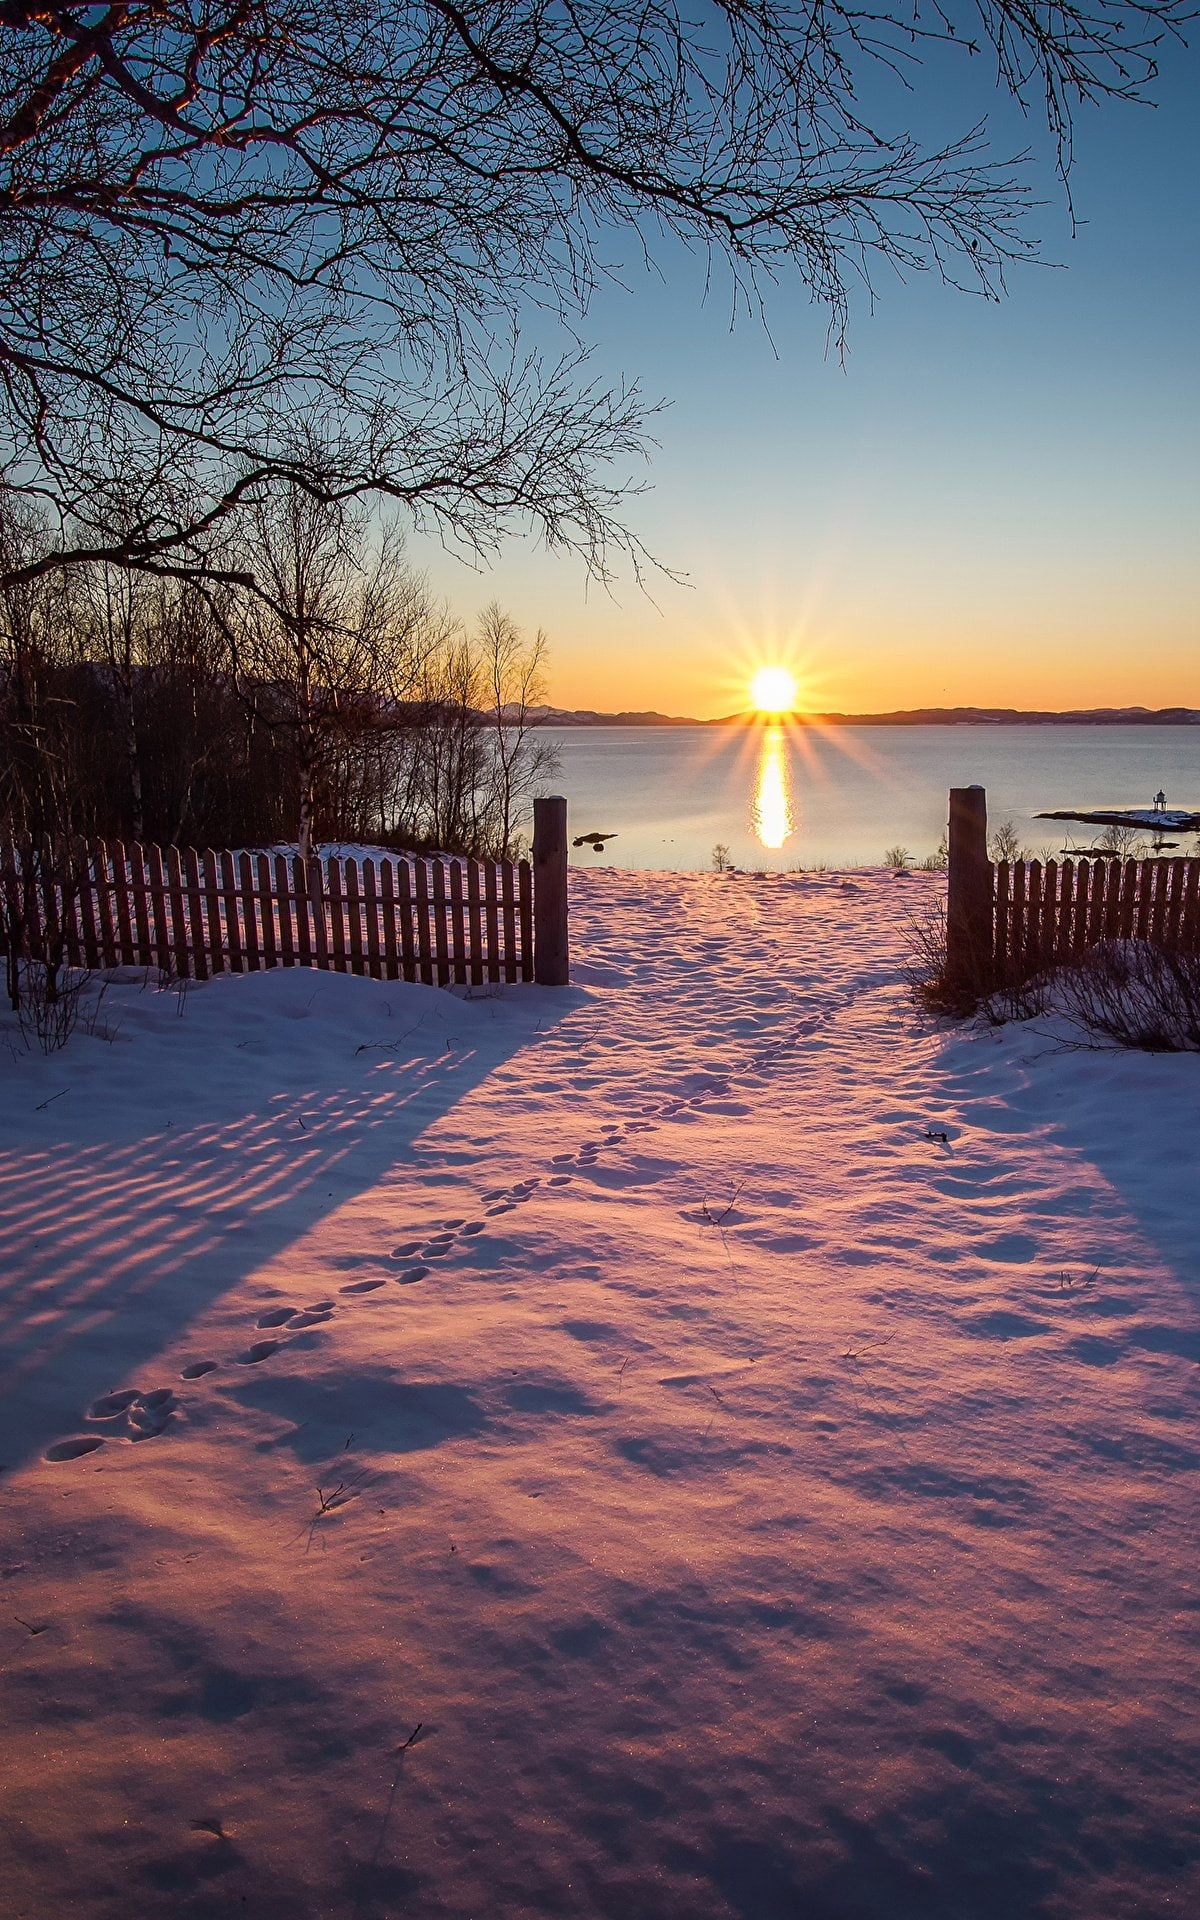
[[984, 503]]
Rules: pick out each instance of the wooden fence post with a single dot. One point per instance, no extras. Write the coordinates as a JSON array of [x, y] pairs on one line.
[[551, 952], [970, 941]]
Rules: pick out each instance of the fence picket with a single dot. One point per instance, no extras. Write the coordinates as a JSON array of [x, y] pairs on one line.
[[1143, 886], [1174, 910], [1014, 952], [121, 901], [1095, 926], [1033, 914], [1080, 915], [158, 906], [316, 893], [508, 907], [458, 924], [144, 953], [1189, 929], [283, 900], [475, 923], [181, 958], [229, 911], [1129, 894], [492, 910], [371, 904], [248, 905], [408, 957], [337, 922], [387, 907], [266, 897], [1159, 903], [1112, 900], [1001, 937], [212, 909], [1064, 909], [195, 914], [85, 894], [354, 916], [304, 925], [423, 944], [1049, 937], [525, 885], [440, 928], [98, 856]]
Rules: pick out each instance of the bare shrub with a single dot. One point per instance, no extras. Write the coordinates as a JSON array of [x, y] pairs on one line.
[[1004, 843], [899, 859], [1019, 999], [721, 861], [1136, 994], [929, 979], [936, 990], [49, 1005], [939, 861]]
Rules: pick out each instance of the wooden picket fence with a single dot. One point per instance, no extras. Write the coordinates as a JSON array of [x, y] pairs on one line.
[[190, 913], [1008, 920], [1044, 915]]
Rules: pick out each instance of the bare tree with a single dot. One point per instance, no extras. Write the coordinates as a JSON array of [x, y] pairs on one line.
[[516, 683], [217, 216], [336, 636]]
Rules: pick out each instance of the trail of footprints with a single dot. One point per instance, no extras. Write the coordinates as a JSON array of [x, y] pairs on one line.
[[129, 1413]]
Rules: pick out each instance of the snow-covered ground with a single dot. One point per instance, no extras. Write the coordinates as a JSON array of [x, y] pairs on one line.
[[765, 1507]]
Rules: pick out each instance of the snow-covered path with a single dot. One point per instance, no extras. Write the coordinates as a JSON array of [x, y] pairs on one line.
[[763, 1506]]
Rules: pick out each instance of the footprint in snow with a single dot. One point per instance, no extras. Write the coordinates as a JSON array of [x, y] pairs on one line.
[[434, 1249], [411, 1277], [560, 1180], [256, 1351], [109, 1405], [74, 1449], [276, 1317], [474, 1226], [361, 1286], [407, 1250], [198, 1368], [317, 1316], [140, 1415], [150, 1414]]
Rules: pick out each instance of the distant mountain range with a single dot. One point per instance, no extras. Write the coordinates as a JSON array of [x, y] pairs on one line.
[[907, 717]]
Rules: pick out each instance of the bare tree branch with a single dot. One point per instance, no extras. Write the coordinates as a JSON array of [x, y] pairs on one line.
[[221, 218]]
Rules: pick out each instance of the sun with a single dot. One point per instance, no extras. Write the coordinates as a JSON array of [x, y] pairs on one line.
[[773, 690]]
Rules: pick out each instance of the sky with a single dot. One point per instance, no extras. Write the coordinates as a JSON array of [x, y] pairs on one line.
[[992, 504]]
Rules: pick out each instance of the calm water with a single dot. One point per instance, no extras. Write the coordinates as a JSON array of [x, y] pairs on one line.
[[785, 797]]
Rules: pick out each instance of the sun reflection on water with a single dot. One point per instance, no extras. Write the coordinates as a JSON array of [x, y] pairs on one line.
[[771, 815]]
